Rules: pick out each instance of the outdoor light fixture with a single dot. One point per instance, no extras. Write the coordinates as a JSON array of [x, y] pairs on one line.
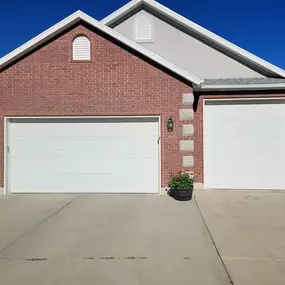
[[170, 125]]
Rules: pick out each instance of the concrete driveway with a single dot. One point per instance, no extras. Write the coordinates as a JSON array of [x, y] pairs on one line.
[[111, 239], [248, 228]]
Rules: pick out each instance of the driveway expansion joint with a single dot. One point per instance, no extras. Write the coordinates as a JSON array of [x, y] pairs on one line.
[[215, 246], [39, 224]]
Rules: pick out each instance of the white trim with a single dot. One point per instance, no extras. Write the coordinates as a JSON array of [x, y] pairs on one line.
[[244, 99], [6, 142], [243, 86], [249, 57], [159, 157], [203, 144], [76, 17], [7, 189], [121, 12], [226, 99], [39, 39]]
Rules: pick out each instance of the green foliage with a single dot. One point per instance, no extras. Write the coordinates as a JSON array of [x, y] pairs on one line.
[[181, 181]]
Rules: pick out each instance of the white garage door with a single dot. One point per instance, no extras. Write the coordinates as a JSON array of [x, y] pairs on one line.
[[244, 144], [104, 155]]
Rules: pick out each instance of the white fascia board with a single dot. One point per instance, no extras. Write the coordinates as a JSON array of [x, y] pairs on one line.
[[41, 38], [191, 26], [121, 12], [77, 16], [274, 86]]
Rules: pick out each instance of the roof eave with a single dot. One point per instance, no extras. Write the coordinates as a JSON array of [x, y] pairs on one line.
[[240, 87], [40, 39]]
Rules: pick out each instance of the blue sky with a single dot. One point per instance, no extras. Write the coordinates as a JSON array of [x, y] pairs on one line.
[[258, 27]]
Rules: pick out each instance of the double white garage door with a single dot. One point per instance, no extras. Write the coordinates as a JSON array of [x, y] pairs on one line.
[[244, 144], [244, 148], [104, 155]]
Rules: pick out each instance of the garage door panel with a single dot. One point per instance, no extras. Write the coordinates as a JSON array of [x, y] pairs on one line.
[[90, 156], [244, 144]]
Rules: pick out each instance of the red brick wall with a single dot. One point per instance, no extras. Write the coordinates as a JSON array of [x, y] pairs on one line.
[[115, 82], [198, 125]]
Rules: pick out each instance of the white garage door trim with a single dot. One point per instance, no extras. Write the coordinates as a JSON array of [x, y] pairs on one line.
[[7, 163], [227, 100]]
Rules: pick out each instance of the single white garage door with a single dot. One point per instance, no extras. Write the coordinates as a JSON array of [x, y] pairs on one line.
[[104, 155], [244, 144]]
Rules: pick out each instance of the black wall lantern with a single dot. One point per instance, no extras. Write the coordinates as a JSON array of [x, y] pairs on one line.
[[170, 125]]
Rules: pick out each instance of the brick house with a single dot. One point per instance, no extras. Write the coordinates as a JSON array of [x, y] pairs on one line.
[[85, 107]]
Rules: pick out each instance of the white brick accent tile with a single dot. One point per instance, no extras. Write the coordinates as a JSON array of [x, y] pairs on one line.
[[188, 161], [186, 145], [188, 130], [188, 99], [186, 114]]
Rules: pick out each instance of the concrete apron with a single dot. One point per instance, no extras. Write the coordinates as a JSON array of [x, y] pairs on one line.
[[248, 229], [107, 239]]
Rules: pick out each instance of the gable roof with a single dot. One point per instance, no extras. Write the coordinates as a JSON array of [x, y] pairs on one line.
[[80, 16], [217, 41]]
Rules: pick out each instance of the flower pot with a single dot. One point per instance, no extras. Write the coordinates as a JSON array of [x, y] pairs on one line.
[[181, 194]]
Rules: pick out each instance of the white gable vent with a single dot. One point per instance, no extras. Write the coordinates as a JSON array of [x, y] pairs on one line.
[[81, 48], [143, 29]]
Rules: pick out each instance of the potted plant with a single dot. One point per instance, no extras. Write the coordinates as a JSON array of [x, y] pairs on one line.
[[181, 186]]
